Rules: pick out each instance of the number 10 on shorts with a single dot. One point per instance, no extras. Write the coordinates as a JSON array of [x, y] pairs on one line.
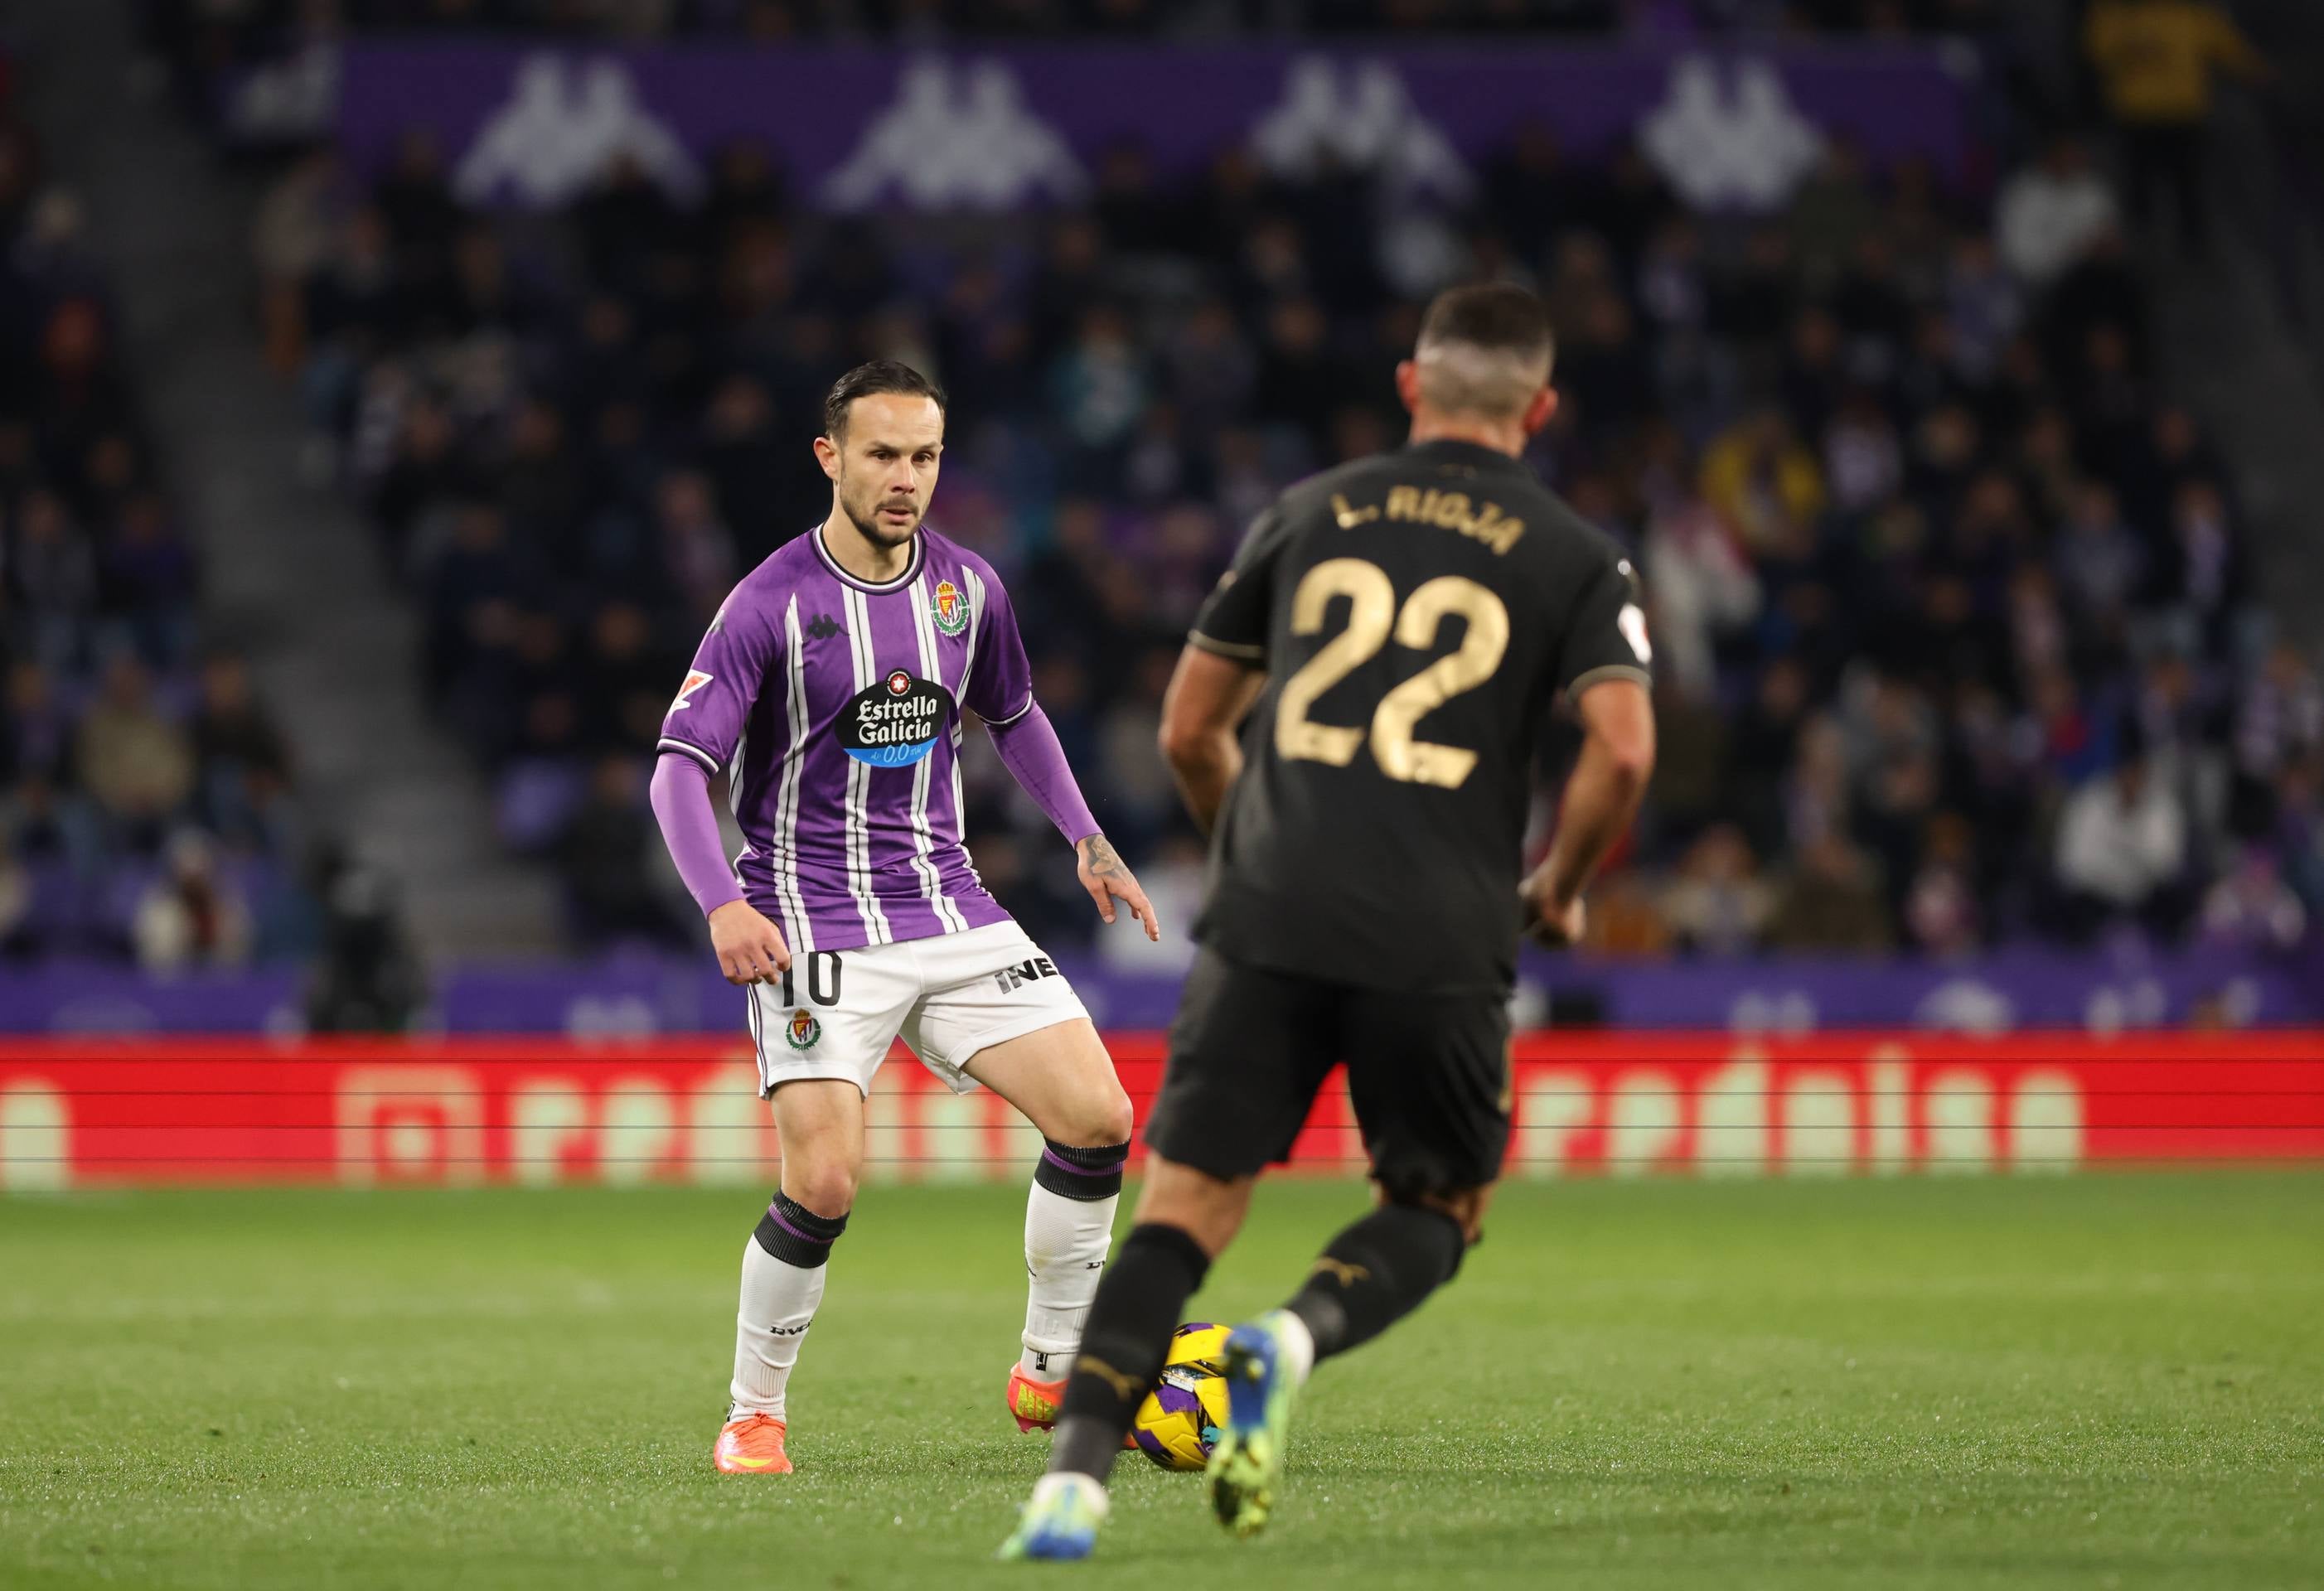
[[823, 971]]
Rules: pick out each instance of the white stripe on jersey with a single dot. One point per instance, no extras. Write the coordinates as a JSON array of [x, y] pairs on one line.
[[968, 666], [735, 799], [923, 840], [975, 621], [786, 788], [960, 813], [858, 780]]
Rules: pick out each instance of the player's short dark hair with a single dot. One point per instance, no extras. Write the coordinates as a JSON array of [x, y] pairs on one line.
[[869, 381], [1498, 317]]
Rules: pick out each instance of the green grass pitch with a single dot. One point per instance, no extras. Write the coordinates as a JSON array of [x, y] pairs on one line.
[[2109, 1382]]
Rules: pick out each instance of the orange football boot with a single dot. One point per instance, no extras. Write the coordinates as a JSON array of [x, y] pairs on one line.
[[753, 1445], [1034, 1403]]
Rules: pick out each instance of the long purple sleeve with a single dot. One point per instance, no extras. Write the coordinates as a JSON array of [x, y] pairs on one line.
[[680, 793], [1030, 750]]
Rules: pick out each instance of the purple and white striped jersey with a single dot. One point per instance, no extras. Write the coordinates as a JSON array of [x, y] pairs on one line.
[[835, 705]]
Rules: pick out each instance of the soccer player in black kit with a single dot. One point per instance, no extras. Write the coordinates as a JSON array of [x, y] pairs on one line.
[[1393, 639]]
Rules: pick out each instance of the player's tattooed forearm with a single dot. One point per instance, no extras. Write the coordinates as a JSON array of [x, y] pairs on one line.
[[1099, 856]]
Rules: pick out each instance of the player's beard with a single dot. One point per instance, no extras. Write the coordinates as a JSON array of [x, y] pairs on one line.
[[876, 530]]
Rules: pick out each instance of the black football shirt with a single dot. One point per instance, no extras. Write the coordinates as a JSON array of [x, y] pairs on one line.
[[1417, 613]]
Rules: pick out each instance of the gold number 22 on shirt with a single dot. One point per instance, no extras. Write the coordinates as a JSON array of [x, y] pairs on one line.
[[1372, 612]]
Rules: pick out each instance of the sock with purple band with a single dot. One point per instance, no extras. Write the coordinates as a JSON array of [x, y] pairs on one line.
[[1068, 1227], [783, 1271], [795, 1235], [1085, 1175]]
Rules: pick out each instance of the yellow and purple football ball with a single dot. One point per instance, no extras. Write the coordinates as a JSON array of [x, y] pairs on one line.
[[1181, 1418]]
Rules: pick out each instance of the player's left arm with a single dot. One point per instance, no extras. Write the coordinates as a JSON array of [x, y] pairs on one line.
[[1000, 690], [1604, 670]]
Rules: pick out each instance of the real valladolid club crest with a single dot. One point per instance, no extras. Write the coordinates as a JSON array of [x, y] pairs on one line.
[[804, 1029], [950, 608]]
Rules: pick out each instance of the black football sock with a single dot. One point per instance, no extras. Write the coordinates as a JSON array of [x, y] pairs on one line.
[[1138, 1305], [1376, 1273]]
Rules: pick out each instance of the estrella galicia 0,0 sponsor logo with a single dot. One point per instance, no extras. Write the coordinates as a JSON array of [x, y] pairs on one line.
[[896, 722]]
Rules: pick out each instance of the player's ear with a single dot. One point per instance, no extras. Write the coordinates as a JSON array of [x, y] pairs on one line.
[[826, 454], [1538, 412], [1407, 383]]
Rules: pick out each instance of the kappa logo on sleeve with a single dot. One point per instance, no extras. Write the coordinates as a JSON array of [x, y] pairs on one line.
[[695, 680]]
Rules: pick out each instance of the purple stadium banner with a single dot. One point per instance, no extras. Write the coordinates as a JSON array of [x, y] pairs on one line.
[[636, 995], [1011, 126]]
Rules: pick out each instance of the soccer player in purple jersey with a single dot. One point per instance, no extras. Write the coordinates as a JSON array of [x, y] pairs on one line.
[[829, 690]]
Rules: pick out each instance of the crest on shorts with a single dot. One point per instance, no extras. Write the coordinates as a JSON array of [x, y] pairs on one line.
[[803, 1030], [949, 607]]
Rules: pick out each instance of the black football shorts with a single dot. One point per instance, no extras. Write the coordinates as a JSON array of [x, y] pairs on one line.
[[1428, 1074]]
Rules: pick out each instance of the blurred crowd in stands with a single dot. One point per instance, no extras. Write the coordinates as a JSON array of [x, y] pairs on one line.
[[1952, 606], [1951, 603], [146, 802]]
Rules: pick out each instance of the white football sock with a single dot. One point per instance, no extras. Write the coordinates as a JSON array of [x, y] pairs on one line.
[[1065, 1244], [1298, 1344], [779, 1304]]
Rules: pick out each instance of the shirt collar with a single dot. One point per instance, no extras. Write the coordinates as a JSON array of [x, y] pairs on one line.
[[912, 565], [1470, 455]]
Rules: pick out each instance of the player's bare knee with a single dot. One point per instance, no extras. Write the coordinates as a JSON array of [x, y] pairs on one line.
[[1096, 1119], [1099, 1120], [1111, 1121], [828, 1189]]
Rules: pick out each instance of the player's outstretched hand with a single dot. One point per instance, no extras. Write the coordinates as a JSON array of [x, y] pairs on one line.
[[1108, 879], [751, 949], [1552, 925]]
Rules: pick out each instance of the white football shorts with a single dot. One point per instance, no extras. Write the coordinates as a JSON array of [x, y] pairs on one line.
[[836, 1013]]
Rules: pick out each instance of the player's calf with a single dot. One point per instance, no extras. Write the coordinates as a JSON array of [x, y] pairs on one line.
[[1061, 1078], [783, 1271], [1369, 1277], [1069, 1227], [1127, 1337], [1378, 1270]]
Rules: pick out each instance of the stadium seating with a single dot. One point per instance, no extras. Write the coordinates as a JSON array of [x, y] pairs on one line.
[[145, 796]]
